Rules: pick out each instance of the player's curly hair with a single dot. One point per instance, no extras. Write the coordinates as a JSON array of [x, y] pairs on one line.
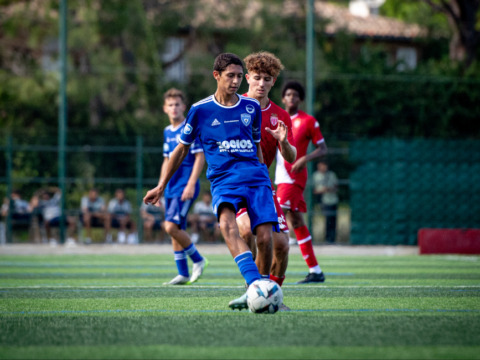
[[264, 61], [171, 93], [294, 85]]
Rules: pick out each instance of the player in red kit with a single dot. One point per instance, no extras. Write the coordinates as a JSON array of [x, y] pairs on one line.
[[291, 179], [276, 133]]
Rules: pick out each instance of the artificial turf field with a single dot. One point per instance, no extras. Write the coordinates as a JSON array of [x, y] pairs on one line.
[[114, 306]]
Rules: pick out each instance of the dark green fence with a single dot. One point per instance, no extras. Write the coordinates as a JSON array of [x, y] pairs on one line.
[[401, 186]]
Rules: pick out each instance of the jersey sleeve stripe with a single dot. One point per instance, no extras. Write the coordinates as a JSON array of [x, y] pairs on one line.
[[185, 142], [206, 100]]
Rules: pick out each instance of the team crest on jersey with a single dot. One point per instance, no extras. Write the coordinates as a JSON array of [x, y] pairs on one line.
[[250, 109], [187, 129], [274, 119], [246, 119]]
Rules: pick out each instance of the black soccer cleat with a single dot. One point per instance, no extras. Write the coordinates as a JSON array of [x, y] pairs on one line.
[[313, 278]]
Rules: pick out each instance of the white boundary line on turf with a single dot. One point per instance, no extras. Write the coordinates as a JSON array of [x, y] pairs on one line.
[[237, 287]]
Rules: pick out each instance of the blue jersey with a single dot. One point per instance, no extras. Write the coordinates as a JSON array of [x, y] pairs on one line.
[[179, 180], [229, 136]]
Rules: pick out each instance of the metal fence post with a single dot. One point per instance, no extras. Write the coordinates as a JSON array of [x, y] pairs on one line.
[[139, 183], [310, 97], [62, 115], [9, 159]]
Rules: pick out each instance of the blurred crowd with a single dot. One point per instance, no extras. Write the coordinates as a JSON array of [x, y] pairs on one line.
[[115, 219]]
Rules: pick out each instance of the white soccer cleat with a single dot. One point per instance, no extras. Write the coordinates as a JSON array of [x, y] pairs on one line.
[[198, 269], [239, 303], [178, 280]]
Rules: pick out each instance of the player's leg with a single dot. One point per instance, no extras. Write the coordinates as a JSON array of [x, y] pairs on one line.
[[180, 257], [293, 204], [280, 257], [263, 215], [304, 240], [245, 229], [239, 250], [175, 225], [281, 245], [237, 246], [280, 261], [264, 249]]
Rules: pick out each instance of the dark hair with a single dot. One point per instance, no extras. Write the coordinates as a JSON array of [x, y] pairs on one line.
[[294, 85], [223, 60]]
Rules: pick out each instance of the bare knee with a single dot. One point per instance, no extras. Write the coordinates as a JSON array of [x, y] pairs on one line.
[[171, 228], [264, 240], [295, 218]]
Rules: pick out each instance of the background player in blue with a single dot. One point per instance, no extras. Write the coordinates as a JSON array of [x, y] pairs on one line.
[[228, 126], [181, 191]]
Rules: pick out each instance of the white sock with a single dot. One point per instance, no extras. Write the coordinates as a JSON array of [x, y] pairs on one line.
[[316, 270]]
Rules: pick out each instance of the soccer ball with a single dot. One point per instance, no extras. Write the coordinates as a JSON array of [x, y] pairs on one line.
[[264, 296]]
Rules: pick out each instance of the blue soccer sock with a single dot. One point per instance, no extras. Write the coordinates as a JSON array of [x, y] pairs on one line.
[[247, 267], [182, 263], [193, 253]]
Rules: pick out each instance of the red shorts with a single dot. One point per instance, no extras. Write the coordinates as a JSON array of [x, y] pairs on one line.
[[290, 196], [282, 220]]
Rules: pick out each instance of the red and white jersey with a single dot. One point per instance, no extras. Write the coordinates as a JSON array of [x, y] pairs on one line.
[[305, 129], [270, 116]]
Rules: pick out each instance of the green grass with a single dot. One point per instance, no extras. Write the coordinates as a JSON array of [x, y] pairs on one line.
[[379, 307]]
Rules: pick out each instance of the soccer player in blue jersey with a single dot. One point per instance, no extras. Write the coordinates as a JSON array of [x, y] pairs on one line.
[[228, 126], [181, 191]]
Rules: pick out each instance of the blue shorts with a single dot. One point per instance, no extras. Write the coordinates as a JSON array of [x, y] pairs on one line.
[[257, 199], [176, 211]]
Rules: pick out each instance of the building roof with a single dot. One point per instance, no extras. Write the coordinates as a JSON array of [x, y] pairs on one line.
[[339, 18]]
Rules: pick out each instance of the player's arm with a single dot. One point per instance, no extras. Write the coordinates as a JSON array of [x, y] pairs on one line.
[[260, 154], [174, 162], [288, 151], [189, 190], [320, 150]]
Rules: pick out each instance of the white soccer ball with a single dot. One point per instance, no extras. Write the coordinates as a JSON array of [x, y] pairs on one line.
[[264, 296]]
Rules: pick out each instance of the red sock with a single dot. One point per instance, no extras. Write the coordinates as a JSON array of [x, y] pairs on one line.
[[304, 240], [278, 280]]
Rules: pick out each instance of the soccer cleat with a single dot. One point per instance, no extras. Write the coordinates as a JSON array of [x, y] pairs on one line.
[[239, 303], [198, 269], [178, 280], [284, 307], [313, 278]]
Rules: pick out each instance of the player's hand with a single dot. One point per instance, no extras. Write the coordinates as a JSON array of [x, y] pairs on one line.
[[153, 195], [188, 193], [299, 165], [280, 133]]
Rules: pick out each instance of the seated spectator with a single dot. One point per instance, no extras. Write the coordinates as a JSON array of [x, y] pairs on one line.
[[20, 215], [153, 217], [203, 220], [22, 210], [119, 217], [49, 201], [93, 212]]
